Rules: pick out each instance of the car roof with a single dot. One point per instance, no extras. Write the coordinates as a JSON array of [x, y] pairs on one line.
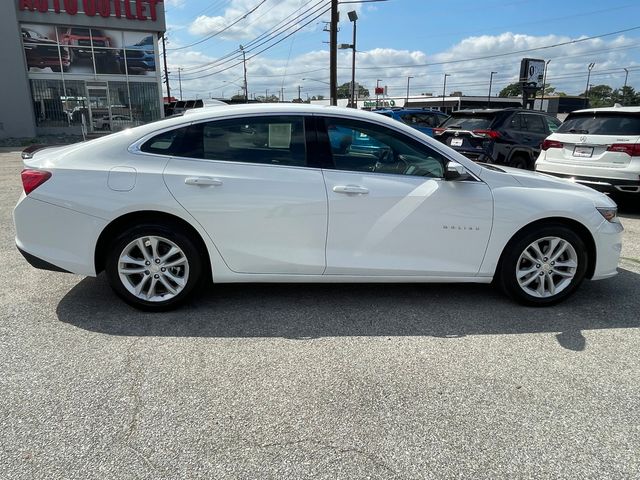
[[617, 109]]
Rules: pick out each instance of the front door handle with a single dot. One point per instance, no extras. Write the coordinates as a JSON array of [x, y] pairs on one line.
[[202, 181], [350, 189]]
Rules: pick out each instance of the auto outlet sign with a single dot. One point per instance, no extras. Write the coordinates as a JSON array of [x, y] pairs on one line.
[[130, 9]]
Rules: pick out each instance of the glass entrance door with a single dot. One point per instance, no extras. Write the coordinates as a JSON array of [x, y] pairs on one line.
[[99, 109]]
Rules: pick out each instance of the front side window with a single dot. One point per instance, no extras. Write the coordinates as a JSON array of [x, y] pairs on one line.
[[361, 147], [278, 140], [534, 123]]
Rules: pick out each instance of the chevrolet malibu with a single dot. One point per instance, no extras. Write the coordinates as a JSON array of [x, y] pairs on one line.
[[296, 193]]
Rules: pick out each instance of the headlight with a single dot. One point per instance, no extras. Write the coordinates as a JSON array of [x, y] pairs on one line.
[[609, 213]]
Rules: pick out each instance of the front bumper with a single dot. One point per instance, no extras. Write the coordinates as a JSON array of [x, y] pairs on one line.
[[608, 239]]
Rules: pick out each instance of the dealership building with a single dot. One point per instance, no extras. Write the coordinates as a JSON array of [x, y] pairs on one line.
[[74, 66]]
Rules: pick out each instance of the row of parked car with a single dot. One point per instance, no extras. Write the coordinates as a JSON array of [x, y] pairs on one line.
[[598, 147]]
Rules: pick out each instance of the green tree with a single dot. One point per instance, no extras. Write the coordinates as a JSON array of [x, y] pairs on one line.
[[626, 96], [344, 91], [601, 96], [511, 90]]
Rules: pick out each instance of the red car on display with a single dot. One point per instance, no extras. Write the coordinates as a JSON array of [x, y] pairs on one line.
[[80, 40], [42, 52]]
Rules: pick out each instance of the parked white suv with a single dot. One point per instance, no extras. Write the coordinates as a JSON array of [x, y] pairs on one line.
[[599, 147]]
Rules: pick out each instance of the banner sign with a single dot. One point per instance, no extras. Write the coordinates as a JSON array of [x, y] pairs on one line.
[[130, 9]]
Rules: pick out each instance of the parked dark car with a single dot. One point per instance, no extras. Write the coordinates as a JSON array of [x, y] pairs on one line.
[[508, 136], [42, 52], [421, 119]]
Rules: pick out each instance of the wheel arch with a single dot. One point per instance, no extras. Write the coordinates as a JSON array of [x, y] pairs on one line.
[[121, 223], [521, 151], [582, 231]]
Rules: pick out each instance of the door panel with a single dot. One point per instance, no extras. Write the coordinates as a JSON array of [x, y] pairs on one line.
[[406, 225], [245, 181], [262, 219]]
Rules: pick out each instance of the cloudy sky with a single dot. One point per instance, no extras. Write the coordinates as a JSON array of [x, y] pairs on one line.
[[285, 44]]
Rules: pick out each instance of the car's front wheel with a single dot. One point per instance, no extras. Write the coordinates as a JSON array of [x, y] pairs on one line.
[[543, 266], [153, 267]]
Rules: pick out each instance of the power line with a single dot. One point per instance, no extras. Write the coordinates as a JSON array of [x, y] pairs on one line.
[[208, 37]]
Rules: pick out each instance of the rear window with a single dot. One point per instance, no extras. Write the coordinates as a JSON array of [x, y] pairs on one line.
[[468, 122], [602, 124]]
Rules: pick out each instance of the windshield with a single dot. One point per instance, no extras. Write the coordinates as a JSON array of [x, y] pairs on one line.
[[606, 123], [468, 122]]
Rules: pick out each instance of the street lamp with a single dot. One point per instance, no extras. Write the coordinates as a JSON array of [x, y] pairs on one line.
[[406, 103], [353, 17], [444, 87], [490, 83], [544, 83], [586, 90]]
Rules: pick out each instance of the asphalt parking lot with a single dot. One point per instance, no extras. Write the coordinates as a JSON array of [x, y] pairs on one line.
[[320, 381]]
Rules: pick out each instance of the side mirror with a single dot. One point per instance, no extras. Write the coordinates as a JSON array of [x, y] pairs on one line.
[[455, 171]]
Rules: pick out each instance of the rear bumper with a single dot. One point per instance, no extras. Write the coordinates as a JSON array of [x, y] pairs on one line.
[[56, 238], [606, 185]]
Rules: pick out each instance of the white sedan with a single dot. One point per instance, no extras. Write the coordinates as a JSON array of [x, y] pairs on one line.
[[296, 193]]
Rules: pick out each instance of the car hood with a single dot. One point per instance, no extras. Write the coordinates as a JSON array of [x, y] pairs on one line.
[[528, 179]]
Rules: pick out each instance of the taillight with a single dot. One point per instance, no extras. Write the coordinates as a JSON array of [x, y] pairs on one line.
[[487, 133], [631, 149], [32, 179], [547, 144], [438, 131]]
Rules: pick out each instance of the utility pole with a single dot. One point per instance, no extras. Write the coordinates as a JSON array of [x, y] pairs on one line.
[[244, 64], [444, 88], [377, 87], [166, 70], [586, 90], [299, 88], [624, 89], [180, 81], [490, 83], [282, 94], [406, 102], [333, 54]]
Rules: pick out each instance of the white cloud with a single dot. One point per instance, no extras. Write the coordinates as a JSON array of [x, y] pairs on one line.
[[567, 70]]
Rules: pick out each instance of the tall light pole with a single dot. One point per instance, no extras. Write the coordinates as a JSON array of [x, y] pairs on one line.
[[333, 54], [244, 64], [406, 102], [353, 17], [444, 88], [586, 89], [166, 70], [490, 83], [624, 89], [544, 83], [180, 81]]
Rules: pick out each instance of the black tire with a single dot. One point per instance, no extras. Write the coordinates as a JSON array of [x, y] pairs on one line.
[[509, 263], [173, 234], [519, 161]]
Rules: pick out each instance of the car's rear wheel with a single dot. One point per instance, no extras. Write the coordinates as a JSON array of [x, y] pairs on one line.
[[519, 161], [543, 266], [154, 267]]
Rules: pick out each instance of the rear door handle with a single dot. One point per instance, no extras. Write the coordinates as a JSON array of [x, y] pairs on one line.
[[202, 181], [350, 189]]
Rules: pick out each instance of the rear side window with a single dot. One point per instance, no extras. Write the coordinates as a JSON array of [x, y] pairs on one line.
[[164, 143], [266, 140], [552, 123], [469, 122], [605, 123], [534, 123]]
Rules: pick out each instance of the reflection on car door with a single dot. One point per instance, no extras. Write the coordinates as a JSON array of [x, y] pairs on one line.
[[246, 182], [391, 213]]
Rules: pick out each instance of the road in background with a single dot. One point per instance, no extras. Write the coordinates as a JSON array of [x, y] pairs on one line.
[[322, 381]]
